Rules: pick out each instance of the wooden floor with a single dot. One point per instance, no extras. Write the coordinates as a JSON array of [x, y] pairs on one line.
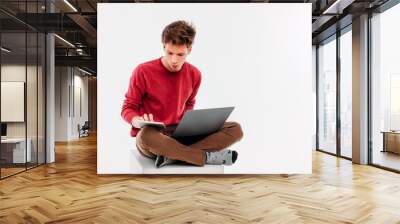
[[8, 171], [5, 172], [70, 191], [386, 159]]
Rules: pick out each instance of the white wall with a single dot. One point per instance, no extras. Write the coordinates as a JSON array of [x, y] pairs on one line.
[[80, 102], [314, 95], [67, 117], [256, 57], [61, 103]]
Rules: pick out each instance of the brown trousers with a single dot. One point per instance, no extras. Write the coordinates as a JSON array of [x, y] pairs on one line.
[[152, 142]]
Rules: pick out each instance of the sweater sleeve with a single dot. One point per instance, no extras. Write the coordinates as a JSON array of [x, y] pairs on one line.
[[133, 97], [192, 99]]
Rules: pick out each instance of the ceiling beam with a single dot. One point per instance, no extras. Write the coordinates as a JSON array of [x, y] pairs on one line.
[[337, 6], [85, 61], [86, 26]]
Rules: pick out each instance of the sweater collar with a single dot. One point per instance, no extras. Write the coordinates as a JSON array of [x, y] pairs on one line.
[[168, 71]]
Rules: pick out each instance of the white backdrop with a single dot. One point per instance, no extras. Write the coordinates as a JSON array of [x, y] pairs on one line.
[[256, 57]]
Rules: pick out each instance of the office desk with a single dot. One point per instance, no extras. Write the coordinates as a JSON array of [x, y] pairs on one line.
[[13, 150], [391, 141]]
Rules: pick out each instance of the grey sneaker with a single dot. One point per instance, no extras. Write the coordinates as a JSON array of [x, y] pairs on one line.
[[163, 161], [225, 157]]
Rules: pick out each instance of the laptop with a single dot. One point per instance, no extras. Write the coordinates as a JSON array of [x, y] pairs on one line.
[[202, 122]]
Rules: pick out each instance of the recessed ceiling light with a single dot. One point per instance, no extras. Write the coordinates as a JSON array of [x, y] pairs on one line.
[[5, 50], [337, 7], [70, 5], [64, 40], [84, 71]]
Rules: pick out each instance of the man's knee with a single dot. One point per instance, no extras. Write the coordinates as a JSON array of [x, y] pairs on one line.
[[236, 130], [147, 136]]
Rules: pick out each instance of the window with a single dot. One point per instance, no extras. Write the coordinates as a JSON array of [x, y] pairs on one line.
[[346, 93], [327, 96], [385, 89]]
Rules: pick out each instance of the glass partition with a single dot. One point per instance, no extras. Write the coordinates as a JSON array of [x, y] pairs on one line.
[[327, 96], [346, 93], [13, 103], [22, 67], [385, 89]]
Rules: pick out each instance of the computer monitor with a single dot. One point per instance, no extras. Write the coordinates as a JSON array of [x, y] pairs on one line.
[[3, 129]]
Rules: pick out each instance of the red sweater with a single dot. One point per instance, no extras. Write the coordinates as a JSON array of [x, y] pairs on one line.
[[155, 90]]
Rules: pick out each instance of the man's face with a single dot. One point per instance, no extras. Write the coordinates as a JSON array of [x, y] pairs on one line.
[[175, 56]]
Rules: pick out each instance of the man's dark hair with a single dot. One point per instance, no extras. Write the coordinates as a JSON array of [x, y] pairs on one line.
[[179, 33]]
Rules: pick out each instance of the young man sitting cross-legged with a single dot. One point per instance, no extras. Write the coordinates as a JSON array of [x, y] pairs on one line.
[[162, 90]]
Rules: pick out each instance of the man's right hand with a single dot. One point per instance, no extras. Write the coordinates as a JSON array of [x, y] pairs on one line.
[[145, 117]]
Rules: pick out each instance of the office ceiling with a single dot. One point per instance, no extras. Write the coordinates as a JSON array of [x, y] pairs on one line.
[[77, 23]]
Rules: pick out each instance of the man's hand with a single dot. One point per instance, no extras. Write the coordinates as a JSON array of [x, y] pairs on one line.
[[145, 117]]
